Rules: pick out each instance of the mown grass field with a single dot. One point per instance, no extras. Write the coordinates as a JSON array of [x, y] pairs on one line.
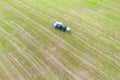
[[31, 49]]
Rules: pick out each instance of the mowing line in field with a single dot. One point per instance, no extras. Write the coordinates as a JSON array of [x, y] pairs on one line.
[[21, 31], [32, 59], [7, 74], [19, 75], [77, 37], [7, 34], [21, 51]]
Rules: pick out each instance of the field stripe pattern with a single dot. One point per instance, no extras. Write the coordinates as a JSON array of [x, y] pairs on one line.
[[31, 49]]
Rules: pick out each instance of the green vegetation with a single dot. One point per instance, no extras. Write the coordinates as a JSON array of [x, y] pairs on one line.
[[31, 49]]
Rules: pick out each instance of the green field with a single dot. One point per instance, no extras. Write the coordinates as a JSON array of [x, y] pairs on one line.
[[31, 49]]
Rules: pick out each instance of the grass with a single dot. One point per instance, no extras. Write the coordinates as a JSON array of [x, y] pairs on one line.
[[31, 49]]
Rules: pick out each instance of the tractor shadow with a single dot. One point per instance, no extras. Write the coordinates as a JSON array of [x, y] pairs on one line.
[[61, 31]]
